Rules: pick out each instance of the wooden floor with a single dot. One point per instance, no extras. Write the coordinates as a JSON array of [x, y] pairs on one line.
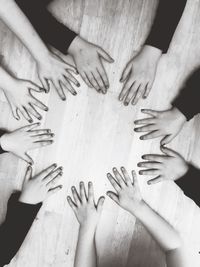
[[95, 132]]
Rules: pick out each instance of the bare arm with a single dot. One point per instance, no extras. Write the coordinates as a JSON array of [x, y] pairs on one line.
[[128, 196], [88, 215]]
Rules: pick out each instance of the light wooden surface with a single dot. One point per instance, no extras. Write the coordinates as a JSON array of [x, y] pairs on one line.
[[95, 132]]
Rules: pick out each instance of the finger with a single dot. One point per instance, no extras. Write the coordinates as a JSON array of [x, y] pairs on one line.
[[76, 196], [59, 89], [26, 115], [149, 164], [54, 180], [43, 143], [146, 128], [54, 190], [82, 192], [126, 72], [151, 112], [64, 82], [169, 152], [102, 53], [69, 77], [145, 121], [126, 176], [104, 77], [149, 172], [28, 174], [26, 158], [148, 89], [167, 139], [42, 137], [100, 204], [99, 81], [34, 87], [118, 177], [154, 157], [92, 81], [29, 127], [155, 180], [90, 192], [138, 94], [113, 196], [125, 90], [134, 177], [14, 111], [114, 183], [151, 135], [33, 111], [72, 204], [45, 83], [41, 131], [52, 175], [46, 172], [85, 78], [38, 104], [131, 94]]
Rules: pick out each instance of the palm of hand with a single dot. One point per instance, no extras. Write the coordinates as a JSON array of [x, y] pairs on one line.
[[87, 214], [130, 197]]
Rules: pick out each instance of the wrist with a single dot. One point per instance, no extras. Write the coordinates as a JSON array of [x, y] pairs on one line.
[[3, 142], [179, 114], [75, 45], [152, 52], [138, 209], [88, 227]]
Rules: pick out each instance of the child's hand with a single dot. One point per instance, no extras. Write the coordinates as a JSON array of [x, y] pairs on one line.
[[170, 166], [22, 101], [36, 189], [139, 74], [166, 123], [24, 139], [53, 69], [88, 59], [128, 194], [84, 207]]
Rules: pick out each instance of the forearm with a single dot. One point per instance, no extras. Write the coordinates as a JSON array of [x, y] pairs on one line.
[[13, 231], [163, 27], [50, 30], [86, 249], [15, 19], [164, 234]]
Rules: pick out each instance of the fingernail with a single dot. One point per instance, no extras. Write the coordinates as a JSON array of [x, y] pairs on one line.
[[135, 129], [46, 109], [39, 118], [149, 182], [120, 80], [78, 84], [74, 93], [143, 157], [61, 173], [138, 164], [55, 165], [141, 138], [125, 103], [64, 99], [60, 186], [140, 172], [108, 174]]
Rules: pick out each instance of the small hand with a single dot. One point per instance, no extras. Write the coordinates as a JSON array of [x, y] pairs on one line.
[[88, 59], [21, 100], [139, 74], [36, 189], [84, 207], [170, 166], [127, 194], [24, 139], [166, 123], [53, 69]]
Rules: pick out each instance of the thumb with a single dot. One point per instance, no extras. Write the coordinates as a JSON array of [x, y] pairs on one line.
[[27, 158], [168, 151], [102, 53], [100, 204], [113, 196], [167, 139], [28, 174]]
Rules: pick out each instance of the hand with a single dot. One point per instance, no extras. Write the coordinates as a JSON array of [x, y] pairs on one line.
[[128, 194], [21, 100], [88, 59], [36, 189], [166, 123], [170, 166], [24, 139], [53, 69], [84, 207], [139, 74]]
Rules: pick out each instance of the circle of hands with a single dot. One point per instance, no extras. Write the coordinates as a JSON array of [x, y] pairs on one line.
[[57, 71]]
